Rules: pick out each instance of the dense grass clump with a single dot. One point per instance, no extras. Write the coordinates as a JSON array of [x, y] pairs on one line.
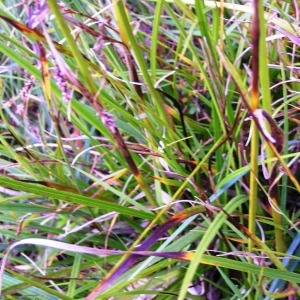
[[149, 149]]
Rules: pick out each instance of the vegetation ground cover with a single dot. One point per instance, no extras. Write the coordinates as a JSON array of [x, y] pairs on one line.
[[149, 149]]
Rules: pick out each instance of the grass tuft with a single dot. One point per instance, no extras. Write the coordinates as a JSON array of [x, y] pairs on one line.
[[149, 150]]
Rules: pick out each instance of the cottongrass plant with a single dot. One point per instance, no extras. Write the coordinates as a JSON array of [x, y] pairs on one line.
[[149, 149]]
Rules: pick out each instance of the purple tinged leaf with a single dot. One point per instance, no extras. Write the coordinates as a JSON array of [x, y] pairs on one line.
[[295, 39], [146, 244]]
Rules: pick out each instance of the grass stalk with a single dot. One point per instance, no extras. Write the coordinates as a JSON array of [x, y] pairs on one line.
[[253, 186], [266, 104]]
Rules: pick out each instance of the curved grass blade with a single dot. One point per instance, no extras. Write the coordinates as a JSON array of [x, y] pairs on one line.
[[72, 197]]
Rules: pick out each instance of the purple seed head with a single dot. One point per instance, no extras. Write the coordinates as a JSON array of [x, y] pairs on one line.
[[109, 121], [37, 13], [26, 88], [62, 84]]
